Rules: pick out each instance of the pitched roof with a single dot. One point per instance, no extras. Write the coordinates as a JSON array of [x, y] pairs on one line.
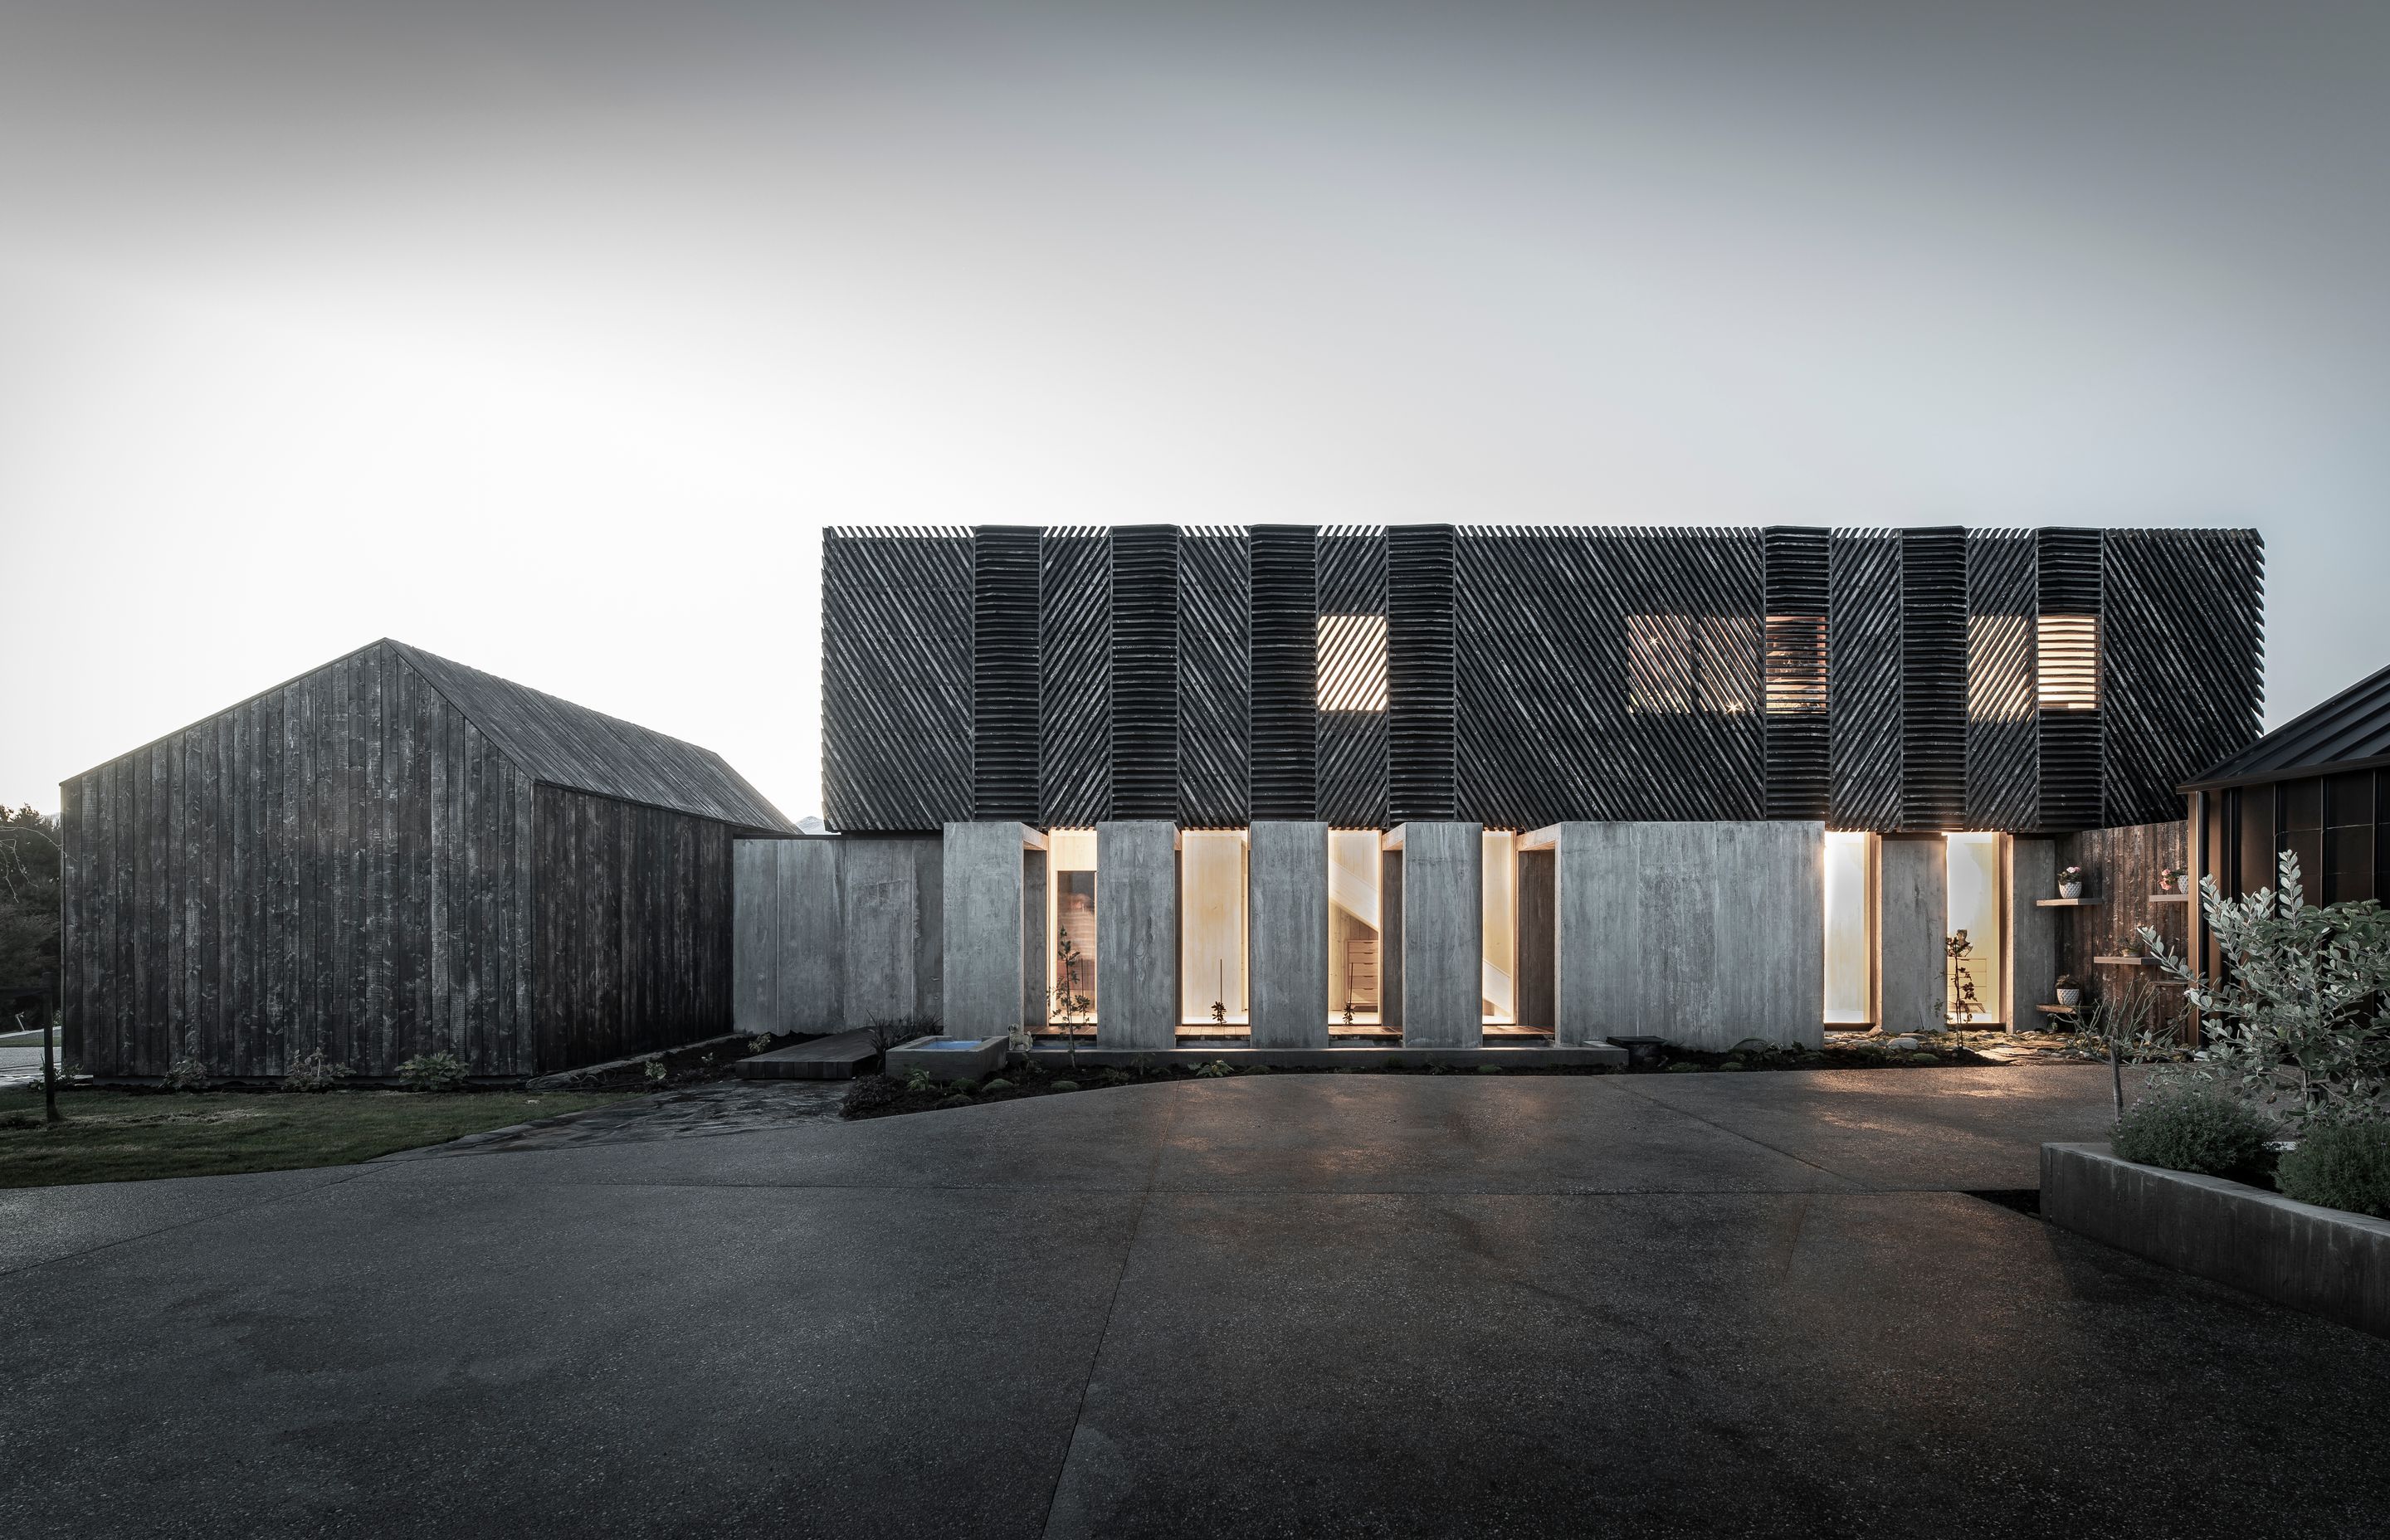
[[2351, 728], [561, 744]]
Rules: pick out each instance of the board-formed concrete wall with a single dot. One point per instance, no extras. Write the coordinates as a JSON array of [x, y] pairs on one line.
[[2032, 976], [835, 933], [1703, 934], [1912, 909], [986, 896], [1137, 934], [1443, 931], [1287, 934], [786, 940]]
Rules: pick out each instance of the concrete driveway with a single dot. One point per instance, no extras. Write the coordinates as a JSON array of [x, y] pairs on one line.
[[1369, 1306]]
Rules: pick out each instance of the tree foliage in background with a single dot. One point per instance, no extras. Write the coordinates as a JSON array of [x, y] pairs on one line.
[[2299, 1019], [29, 896]]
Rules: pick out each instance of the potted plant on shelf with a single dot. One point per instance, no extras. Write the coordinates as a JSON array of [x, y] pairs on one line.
[[2171, 881], [2070, 882], [2070, 990]]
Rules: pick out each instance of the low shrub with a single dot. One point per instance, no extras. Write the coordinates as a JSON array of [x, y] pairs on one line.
[[1215, 1069], [1066, 1085], [2340, 1166], [997, 1083], [188, 1074], [313, 1071], [870, 1094], [433, 1072], [2187, 1127]]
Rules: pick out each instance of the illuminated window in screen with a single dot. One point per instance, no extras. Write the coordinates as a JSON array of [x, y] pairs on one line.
[[1499, 992], [1070, 921], [1353, 925], [1850, 930], [1211, 926]]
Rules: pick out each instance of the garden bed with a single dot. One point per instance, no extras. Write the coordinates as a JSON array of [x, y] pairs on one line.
[[2323, 1261]]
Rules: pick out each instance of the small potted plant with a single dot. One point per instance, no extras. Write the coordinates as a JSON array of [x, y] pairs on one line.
[[2070, 882], [2070, 990], [2171, 881]]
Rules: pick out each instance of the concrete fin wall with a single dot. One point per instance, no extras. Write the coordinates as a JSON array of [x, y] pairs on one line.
[[985, 900], [1442, 934], [786, 946], [1137, 934], [2033, 932], [1287, 931], [1703, 934], [1913, 887]]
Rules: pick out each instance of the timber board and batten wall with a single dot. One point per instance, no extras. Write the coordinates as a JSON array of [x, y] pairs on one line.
[[348, 861]]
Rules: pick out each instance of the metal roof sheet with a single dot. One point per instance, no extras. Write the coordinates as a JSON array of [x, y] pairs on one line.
[[2353, 727]]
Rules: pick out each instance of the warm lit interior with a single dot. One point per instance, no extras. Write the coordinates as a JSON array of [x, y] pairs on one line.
[[1500, 992], [1974, 910], [1999, 687], [1353, 925], [1212, 927], [2066, 655], [1850, 929], [1352, 662], [1683, 664], [1071, 924], [1797, 665]]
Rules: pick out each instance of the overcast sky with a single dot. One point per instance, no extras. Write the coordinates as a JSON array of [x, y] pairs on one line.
[[547, 336]]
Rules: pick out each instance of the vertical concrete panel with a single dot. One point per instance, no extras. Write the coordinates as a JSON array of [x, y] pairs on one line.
[[1909, 932], [1390, 933], [1536, 919], [1137, 934], [891, 903], [1749, 970], [810, 975], [1795, 880], [2033, 932], [1286, 877], [1442, 935], [1598, 930], [754, 933], [984, 896], [1033, 938], [1677, 976]]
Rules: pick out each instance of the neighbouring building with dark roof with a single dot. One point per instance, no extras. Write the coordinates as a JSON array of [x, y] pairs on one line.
[[395, 854], [1447, 787]]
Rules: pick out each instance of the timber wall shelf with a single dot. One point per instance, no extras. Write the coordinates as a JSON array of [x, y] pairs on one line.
[[2068, 903], [2169, 898], [2127, 959]]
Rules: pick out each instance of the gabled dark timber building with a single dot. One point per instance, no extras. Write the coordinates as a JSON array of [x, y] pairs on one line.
[[395, 854], [1450, 782]]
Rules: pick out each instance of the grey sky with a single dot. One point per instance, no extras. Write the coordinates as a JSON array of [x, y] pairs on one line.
[[548, 336]]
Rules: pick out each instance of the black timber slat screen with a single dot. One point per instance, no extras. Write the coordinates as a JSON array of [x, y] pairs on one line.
[[896, 679], [1215, 605], [1352, 744], [1503, 755], [2003, 755], [1285, 680], [2066, 581], [1004, 673], [1932, 678], [1795, 685], [1863, 694], [1420, 778], [1075, 677], [1694, 737], [1144, 672], [2182, 665]]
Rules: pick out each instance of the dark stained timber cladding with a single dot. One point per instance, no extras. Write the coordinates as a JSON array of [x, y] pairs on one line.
[[1352, 745], [2002, 748], [896, 679], [1863, 693], [1285, 672], [1933, 678], [2182, 668], [1797, 736], [1420, 727], [1144, 672], [1215, 689], [2066, 581], [1504, 646], [1074, 677], [1004, 673]]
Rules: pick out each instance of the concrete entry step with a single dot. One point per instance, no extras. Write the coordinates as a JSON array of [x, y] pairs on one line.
[[841, 1057], [1594, 1055]]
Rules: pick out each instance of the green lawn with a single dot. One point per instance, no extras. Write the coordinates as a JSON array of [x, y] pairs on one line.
[[126, 1136]]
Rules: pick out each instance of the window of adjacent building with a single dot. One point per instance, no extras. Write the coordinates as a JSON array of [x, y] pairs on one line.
[[1681, 664], [1971, 903], [1797, 665], [1850, 929], [1999, 668], [1500, 918], [1354, 926], [1071, 924], [1352, 662], [2066, 661], [1212, 927]]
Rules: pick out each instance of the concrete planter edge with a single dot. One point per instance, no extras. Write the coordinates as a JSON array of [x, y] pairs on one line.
[[2322, 1261]]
